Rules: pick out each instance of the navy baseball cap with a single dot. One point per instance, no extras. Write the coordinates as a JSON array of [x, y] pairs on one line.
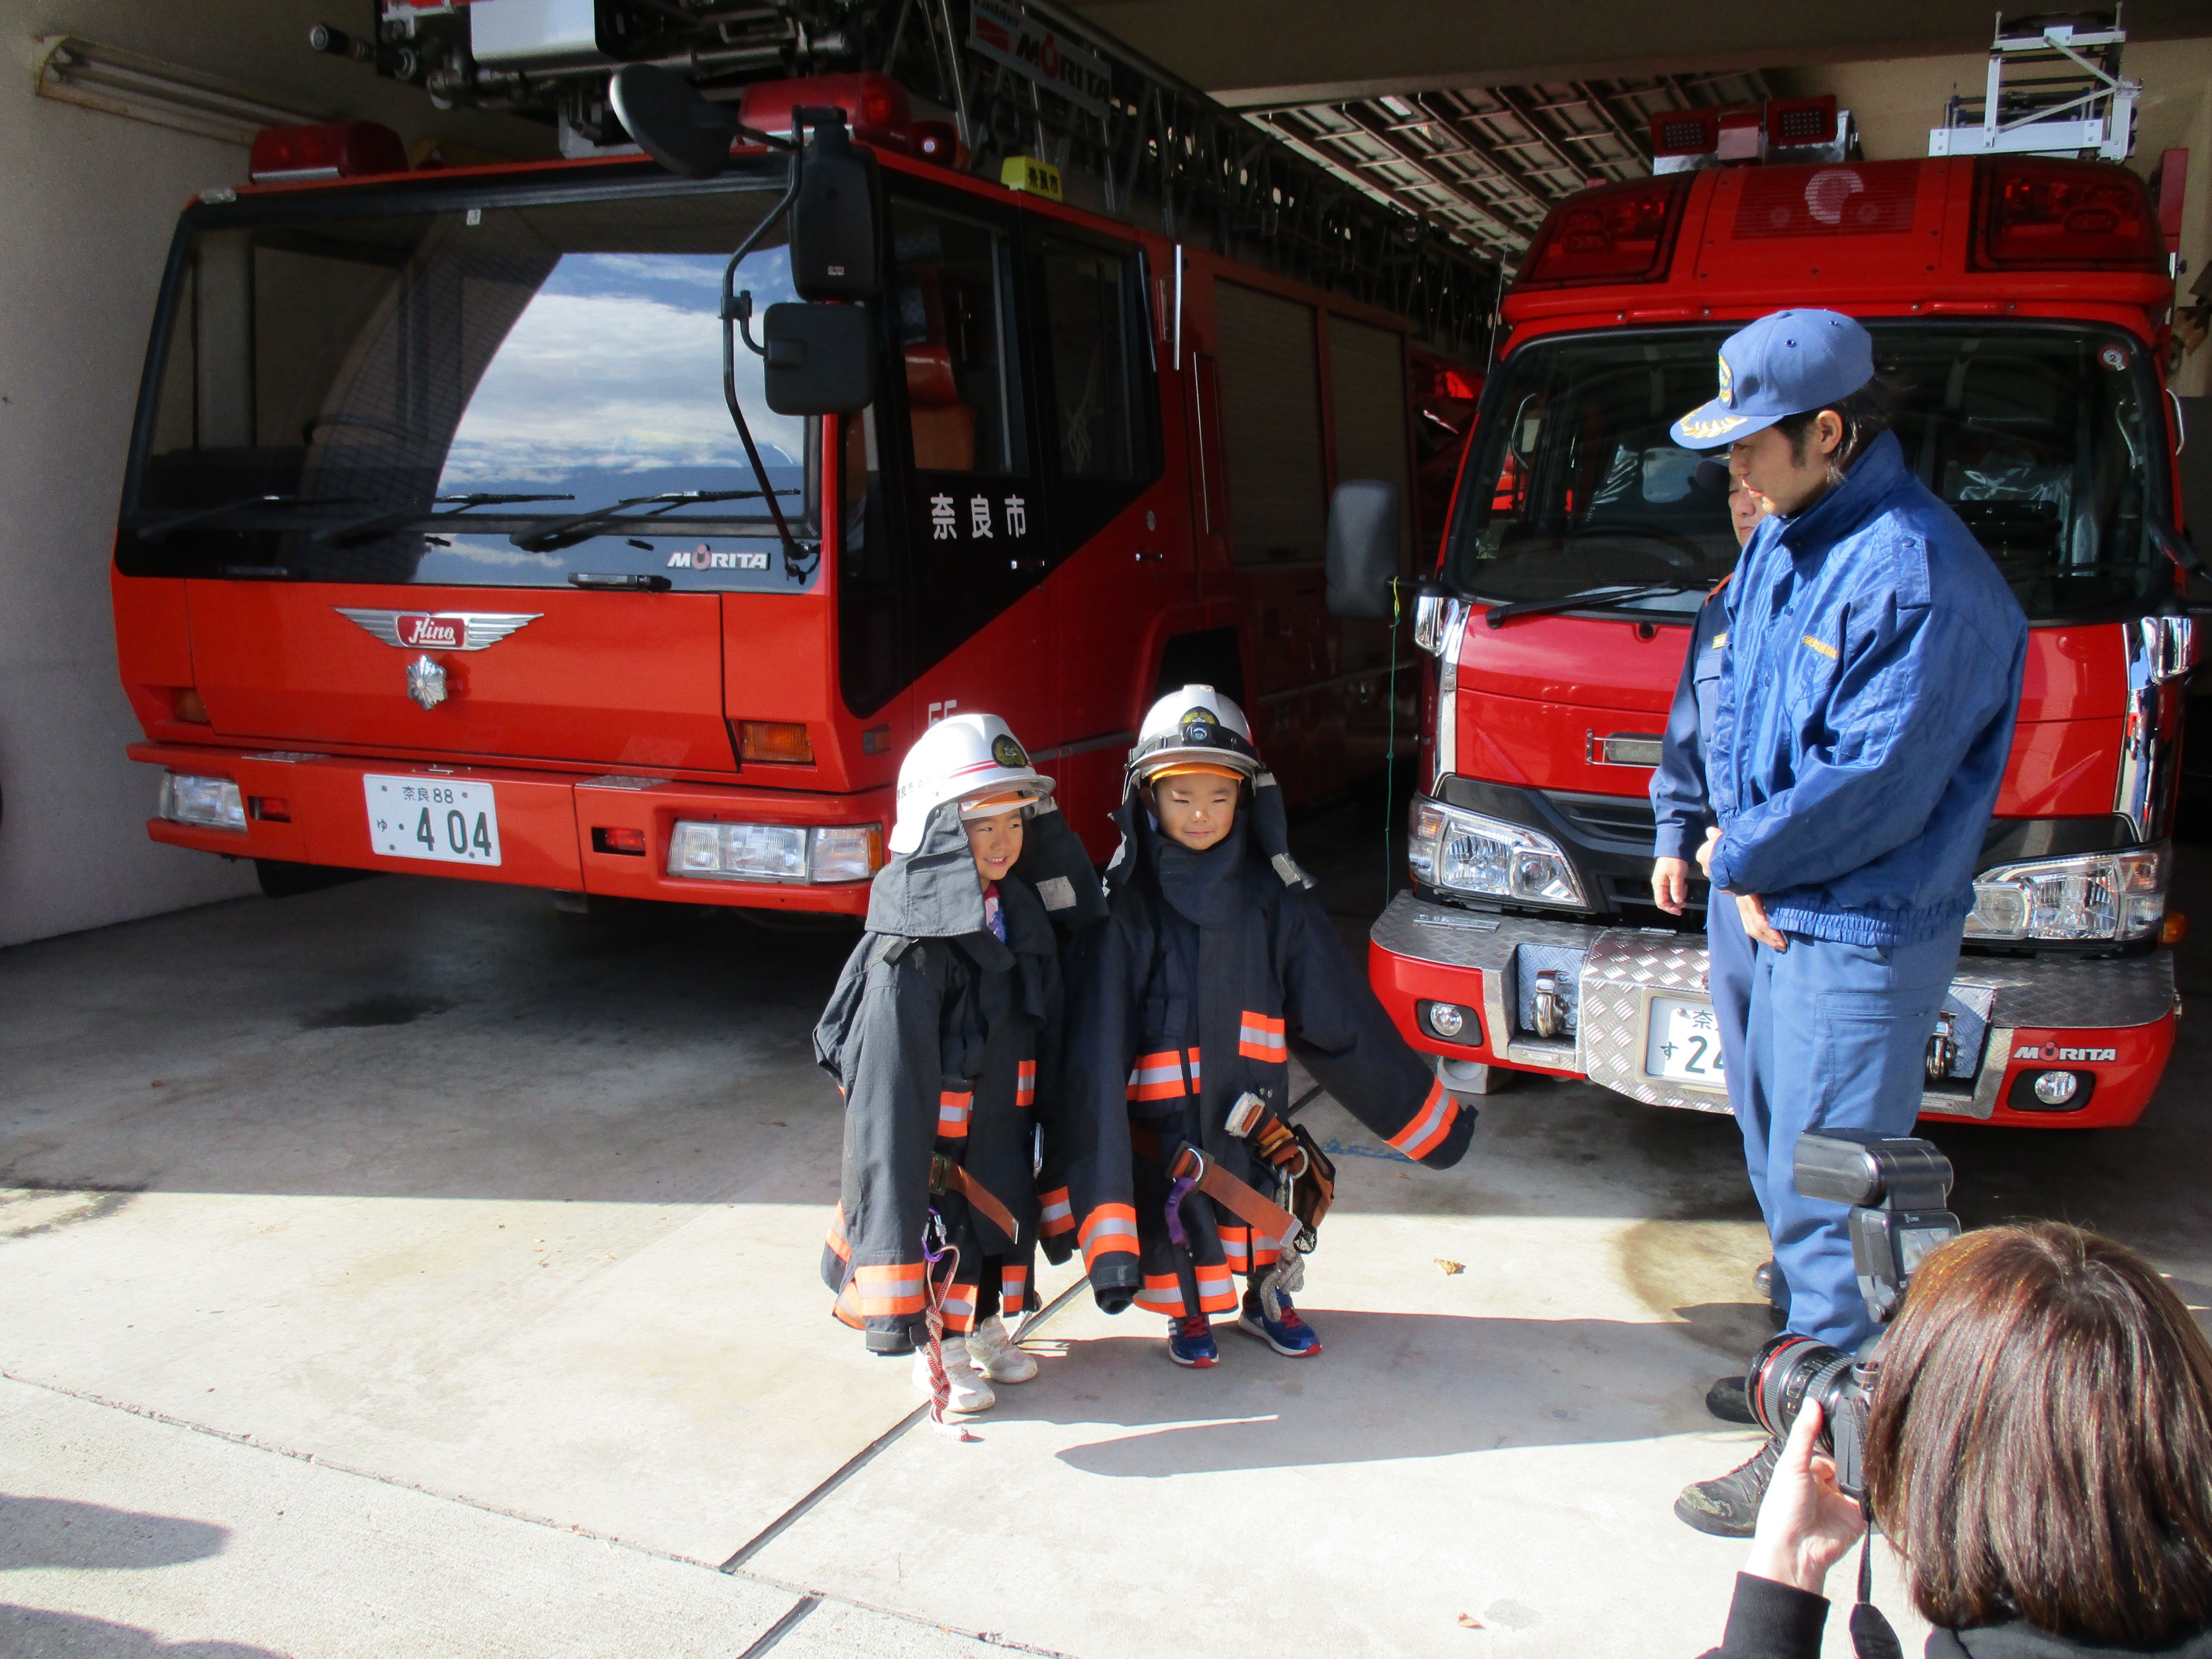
[[1786, 363]]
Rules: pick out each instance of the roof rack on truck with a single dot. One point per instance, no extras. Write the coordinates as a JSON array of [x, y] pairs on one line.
[[1119, 135], [2054, 89]]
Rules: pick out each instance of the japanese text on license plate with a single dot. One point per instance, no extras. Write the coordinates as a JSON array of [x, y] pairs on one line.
[[1682, 1042], [441, 819]]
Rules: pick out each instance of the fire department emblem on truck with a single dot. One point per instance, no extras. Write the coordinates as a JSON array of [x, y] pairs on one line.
[[440, 630]]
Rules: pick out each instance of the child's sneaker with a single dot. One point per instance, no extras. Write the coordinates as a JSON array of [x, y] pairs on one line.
[[1290, 1336], [969, 1391], [1190, 1342], [991, 1346]]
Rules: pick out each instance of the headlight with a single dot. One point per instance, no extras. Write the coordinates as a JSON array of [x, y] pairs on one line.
[[210, 803], [2096, 896], [1463, 852], [775, 852]]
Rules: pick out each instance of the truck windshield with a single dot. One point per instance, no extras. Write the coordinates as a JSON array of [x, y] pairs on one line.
[[473, 396], [2041, 438]]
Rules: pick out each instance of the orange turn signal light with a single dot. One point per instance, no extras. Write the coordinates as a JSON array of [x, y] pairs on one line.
[[272, 809], [629, 841], [2176, 929], [774, 740], [186, 701]]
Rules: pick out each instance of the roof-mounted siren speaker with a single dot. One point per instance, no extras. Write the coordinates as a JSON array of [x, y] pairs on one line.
[[1684, 138]]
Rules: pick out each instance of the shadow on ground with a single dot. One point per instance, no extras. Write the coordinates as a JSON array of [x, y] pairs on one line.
[[55, 1532], [34, 1633]]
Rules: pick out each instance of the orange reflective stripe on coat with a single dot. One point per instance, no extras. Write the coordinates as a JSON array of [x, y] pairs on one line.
[[886, 1292], [838, 1246], [1160, 1076], [1025, 1083], [1258, 1038], [959, 1308], [1429, 1125], [1013, 1290], [1108, 1228], [1236, 1245], [953, 1109], [1216, 1293], [1056, 1216], [1163, 1294]]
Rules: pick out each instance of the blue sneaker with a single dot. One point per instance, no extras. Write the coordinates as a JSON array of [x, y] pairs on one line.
[[1190, 1342], [1290, 1336]]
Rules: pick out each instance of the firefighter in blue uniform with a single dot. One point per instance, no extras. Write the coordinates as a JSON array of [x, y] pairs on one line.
[[1862, 714]]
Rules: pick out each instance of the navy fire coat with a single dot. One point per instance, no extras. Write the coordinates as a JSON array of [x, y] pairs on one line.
[[945, 1043], [1210, 967]]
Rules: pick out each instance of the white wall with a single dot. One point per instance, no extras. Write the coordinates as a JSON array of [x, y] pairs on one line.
[[88, 201]]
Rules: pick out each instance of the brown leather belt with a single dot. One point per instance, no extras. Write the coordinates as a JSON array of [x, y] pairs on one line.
[[1247, 1203], [946, 1176]]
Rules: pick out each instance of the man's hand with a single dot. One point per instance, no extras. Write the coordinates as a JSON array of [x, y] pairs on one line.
[[1753, 911], [1705, 850], [1806, 1524], [1670, 885]]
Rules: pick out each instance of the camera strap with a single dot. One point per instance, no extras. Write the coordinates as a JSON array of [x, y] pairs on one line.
[[1871, 1635]]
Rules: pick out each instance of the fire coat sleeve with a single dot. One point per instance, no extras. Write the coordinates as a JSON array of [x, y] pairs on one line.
[[1085, 1188], [1349, 1044], [890, 1068], [1680, 808]]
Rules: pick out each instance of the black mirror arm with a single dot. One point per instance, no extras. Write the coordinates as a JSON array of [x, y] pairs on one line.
[[733, 320]]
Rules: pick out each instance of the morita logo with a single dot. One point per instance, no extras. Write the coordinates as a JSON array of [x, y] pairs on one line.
[[2051, 1051], [425, 632]]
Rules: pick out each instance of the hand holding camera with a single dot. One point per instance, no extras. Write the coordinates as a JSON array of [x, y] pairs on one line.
[[1808, 1522]]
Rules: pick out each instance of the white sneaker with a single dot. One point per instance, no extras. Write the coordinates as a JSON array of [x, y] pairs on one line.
[[991, 1346], [969, 1392]]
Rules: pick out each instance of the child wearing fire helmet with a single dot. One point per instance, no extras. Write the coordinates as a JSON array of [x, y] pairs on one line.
[[1215, 958], [943, 1034]]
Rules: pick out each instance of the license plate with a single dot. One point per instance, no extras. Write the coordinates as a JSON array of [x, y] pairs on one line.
[[1682, 1042], [435, 818]]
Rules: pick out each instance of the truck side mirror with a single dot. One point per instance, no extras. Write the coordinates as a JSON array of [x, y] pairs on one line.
[[818, 359], [671, 123], [1363, 548], [835, 249]]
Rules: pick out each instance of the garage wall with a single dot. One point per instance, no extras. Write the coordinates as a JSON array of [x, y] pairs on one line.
[[88, 201]]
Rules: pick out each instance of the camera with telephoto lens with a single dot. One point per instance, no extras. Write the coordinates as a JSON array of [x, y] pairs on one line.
[[1897, 1188]]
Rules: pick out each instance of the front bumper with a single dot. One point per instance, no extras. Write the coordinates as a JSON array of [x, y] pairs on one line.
[[2008, 1017], [547, 821]]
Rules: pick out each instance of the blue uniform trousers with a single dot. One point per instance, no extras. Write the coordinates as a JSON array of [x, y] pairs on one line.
[[1821, 1036]]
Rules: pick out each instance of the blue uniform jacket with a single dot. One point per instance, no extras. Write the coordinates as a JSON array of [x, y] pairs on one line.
[[1867, 696], [1679, 809]]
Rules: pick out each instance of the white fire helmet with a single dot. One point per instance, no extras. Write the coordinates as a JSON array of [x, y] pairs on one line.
[[972, 759], [1192, 730]]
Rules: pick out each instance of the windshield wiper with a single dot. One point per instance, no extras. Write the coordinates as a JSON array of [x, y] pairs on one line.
[[567, 532], [361, 530], [159, 527], [1619, 593]]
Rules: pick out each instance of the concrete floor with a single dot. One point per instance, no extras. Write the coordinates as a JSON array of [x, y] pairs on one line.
[[408, 1269]]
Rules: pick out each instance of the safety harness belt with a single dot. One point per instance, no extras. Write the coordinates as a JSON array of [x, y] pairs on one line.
[[1248, 1204], [946, 1176]]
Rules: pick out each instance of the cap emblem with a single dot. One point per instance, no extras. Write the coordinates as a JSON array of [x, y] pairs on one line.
[[1728, 383], [1008, 753]]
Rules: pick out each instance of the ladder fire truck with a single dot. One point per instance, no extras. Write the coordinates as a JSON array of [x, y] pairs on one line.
[[441, 551], [2019, 292]]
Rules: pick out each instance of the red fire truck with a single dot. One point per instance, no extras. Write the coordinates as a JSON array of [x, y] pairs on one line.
[[2022, 304], [440, 553]]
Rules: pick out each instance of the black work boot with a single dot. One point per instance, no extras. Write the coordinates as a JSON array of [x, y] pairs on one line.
[[1728, 1400], [1764, 1279], [1728, 1506]]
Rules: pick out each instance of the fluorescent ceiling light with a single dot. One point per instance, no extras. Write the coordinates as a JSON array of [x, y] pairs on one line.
[[167, 95]]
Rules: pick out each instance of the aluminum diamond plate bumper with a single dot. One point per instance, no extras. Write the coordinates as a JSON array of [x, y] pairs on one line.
[[1622, 969]]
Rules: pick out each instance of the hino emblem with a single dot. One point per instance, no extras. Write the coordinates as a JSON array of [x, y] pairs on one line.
[[440, 630], [426, 682]]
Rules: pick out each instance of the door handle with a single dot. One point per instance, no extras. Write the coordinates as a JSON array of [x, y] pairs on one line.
[[1145, 557]]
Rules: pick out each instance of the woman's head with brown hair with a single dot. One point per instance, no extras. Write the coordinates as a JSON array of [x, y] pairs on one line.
[[2040, 1440]]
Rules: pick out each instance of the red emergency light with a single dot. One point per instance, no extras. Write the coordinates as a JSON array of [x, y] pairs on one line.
[[875, 106], [1686, 132], [1621, 232], [2032, 213], [329, 149], [1793, 122]]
